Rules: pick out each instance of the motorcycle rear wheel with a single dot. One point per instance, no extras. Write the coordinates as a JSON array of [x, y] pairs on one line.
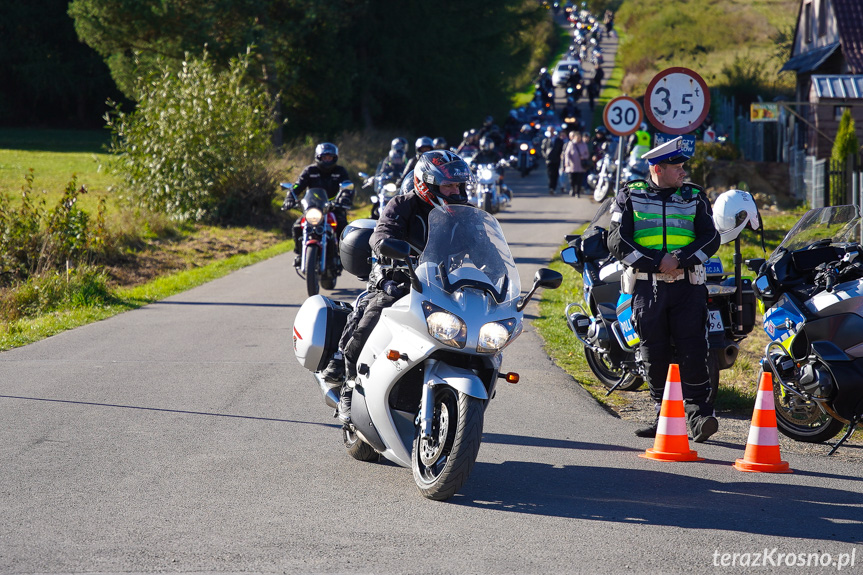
[[442, 464], [357, 448], [312, 273], [802, 422], [609, 375]]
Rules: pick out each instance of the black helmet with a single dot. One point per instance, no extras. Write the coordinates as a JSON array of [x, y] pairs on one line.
[[439, 144], [486, 144], [424, 142], [399, 144], [326, 149], [437, 168]]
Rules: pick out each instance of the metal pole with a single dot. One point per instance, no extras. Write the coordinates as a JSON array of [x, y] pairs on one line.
[[619, 164]]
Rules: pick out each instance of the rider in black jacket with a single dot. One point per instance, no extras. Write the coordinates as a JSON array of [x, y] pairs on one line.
[[440, 178], [326, 174]]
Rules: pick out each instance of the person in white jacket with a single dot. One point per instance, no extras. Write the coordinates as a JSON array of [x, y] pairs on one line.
[[576, 161]]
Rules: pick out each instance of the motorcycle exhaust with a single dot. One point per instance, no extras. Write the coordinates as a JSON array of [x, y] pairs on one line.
[[726, 356], [329, 391]]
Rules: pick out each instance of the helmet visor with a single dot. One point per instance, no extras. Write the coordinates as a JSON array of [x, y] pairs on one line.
[[456, 172]]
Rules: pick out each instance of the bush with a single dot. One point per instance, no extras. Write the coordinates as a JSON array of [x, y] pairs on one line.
[[196, 147], [702, 160], [35, 240], [86, 286]]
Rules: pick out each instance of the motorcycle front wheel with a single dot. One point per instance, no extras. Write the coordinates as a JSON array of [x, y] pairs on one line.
[[802, 420], [609, 374], [442, 463], [486, 203], [312, 272]]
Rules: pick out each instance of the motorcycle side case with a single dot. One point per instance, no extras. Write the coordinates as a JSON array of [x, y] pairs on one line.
[[317, 330], [354, 249]]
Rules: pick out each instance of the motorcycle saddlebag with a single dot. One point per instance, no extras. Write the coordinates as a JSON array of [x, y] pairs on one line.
[[317, 329], [354, 248]]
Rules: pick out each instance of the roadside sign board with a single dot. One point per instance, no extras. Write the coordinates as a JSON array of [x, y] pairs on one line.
[[676, 101], [763, 112], [622, 116]]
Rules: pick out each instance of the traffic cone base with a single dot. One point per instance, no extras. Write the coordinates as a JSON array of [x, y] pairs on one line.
[[762, 446], [672, 440]]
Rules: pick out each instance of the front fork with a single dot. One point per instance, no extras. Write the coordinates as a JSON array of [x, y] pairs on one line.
[[322, 242]]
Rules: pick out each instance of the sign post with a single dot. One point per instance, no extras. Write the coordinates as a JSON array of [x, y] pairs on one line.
[[676, 101], [621, 116]]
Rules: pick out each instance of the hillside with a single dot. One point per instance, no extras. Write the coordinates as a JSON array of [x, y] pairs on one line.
[[735, 45]]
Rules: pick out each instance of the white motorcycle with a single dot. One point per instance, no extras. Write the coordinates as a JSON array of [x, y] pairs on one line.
[[431, 364], [489, 193]]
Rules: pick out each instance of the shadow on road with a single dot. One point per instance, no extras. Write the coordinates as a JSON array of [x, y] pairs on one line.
[[648, 497], [166, 410]]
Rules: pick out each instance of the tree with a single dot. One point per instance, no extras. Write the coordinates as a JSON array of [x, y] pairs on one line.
[[335, 65], [197, 144], [845, 148]]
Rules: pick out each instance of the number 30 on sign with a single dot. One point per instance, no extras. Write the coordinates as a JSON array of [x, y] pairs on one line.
[[622, 116], [676, 101]]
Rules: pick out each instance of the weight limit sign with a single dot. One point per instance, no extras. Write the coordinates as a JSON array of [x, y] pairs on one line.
[[676, 101]]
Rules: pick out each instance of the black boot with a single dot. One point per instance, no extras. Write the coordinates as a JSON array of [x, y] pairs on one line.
[[702, 423], [335, 370], [650, 430], [345, 403]]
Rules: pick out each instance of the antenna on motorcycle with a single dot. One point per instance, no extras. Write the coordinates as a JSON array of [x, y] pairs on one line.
[[544, 278]]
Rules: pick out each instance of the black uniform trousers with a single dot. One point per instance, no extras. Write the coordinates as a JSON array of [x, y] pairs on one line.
[[671, 321]]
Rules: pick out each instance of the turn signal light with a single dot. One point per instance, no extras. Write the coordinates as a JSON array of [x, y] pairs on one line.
[[511, 377], [394, 355]]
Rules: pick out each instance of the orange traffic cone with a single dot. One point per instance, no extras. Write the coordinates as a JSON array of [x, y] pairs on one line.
[[672, 440], [762, 447]]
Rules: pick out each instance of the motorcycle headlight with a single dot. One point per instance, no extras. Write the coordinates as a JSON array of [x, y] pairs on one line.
[[314, 216], [444, 326], [523, 147], [495, 335], [486, 174]]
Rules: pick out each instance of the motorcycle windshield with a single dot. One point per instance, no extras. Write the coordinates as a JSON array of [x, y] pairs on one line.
[[838, 224], [602, 217], [466, 249], [314, 197]]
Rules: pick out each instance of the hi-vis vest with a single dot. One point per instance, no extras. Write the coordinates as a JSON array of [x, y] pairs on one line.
[[658, 225], [642, 138]]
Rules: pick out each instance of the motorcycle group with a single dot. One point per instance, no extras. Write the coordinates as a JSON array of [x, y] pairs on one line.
[[410, 365]]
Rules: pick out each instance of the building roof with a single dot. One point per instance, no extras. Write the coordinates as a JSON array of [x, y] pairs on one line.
[[841, 86], [849, 21], [811, 60]]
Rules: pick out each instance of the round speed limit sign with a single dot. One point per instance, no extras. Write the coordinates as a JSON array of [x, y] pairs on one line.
[[676, 101], [622, 116]]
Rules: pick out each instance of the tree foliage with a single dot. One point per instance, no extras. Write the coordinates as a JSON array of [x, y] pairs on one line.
[[421, 66], [196, 146]]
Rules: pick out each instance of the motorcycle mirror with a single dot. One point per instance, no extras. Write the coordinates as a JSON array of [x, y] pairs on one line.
[[346, 185], [755, 264], [395, 249], [287, 185], [569, 255], [547, 278]]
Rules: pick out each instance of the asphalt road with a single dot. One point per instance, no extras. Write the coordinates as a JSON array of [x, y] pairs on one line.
[[185, 436]]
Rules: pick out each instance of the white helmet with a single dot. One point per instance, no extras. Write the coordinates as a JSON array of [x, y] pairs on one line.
[[732, 211]]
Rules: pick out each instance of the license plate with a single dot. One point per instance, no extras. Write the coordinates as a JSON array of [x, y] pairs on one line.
[[715, 321]]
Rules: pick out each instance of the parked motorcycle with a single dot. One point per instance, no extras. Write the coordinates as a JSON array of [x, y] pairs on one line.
[[319, 262], [602, 323], [602, 179], [430, 366], [812, 291], [384, 188]]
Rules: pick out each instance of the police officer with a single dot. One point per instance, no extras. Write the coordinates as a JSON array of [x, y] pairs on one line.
[[326, 174], [662, 231]]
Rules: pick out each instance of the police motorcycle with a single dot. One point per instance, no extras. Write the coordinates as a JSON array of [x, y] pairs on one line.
[[603, 322], [430, 367], [318, 263], [636, 167], [812, 291], [384, 188]]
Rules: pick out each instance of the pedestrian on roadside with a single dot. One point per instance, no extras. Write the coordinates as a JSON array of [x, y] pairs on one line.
[[552, 150], [576, 159]]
